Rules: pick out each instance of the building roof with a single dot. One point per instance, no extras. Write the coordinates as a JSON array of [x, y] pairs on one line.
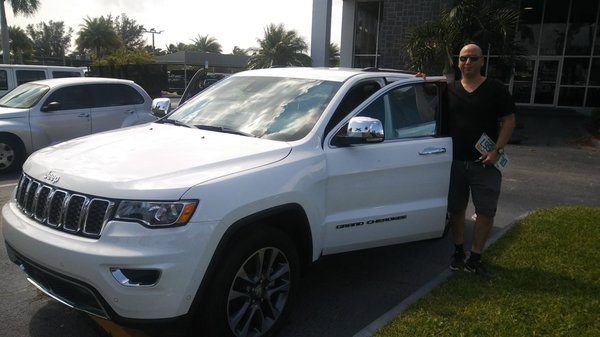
[[201, 59]]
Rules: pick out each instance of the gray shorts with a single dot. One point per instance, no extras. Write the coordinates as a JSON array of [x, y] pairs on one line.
[[482, 182]]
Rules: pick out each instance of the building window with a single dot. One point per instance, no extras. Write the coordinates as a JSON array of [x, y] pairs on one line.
[[554, 28], [562, 41], [580, 36], [366, 33], [530, 25]]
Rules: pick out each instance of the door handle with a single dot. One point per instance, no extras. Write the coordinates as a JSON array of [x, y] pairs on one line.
[[83, 115], [129, 111], [432, 150]]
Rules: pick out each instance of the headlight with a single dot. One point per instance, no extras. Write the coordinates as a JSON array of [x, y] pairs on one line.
[[157, 213]]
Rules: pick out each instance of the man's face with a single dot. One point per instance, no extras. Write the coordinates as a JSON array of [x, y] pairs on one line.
[[470, 60]]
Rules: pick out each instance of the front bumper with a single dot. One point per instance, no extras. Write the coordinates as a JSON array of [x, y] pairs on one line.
[[80, 271]]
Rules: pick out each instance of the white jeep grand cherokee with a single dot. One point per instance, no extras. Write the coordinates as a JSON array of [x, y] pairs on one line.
[[213, 211]]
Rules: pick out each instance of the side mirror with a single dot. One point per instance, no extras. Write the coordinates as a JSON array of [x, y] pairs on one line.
[[161, 106], [361, 130], [52, 106]]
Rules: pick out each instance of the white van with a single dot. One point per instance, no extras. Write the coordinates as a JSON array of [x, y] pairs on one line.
[[13, 75]]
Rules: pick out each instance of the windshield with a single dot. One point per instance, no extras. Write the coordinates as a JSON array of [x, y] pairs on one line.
[[24, 96], [275, 108]]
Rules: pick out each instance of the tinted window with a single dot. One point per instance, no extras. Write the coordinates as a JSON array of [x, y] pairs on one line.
[[115, 95], [75, 97], [64, 73], [413, 111], [24, 76], [3, 80]]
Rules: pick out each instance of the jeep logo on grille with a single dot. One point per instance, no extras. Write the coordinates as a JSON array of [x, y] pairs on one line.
[[51, 177]]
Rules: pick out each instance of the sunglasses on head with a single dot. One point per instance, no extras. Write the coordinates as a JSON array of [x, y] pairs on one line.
[[471, 57]]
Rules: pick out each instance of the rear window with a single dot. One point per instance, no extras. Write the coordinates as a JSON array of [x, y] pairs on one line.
[[24, 76], [65, 73]]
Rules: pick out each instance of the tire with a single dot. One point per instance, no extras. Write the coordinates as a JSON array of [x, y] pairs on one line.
[[11, 155], [254, 288]]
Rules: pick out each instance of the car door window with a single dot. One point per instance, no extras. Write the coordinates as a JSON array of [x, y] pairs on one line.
[[412, 111], [3, 80], [70, 98], [24, 76], [106, 95]]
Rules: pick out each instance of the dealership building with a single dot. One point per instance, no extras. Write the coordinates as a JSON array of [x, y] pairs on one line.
[[561, 41]]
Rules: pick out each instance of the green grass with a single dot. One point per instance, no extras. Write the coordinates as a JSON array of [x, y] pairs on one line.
[[546, 283]]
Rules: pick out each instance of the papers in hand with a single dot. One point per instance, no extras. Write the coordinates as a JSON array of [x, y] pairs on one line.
[[485, 144]]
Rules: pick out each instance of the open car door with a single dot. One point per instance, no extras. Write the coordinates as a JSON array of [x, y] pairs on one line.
[[394, 189]]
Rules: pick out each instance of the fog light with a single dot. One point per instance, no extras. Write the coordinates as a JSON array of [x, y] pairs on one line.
[[136, 277]]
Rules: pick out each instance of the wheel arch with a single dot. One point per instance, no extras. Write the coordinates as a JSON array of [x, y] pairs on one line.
[[21, 152], [290, 219]]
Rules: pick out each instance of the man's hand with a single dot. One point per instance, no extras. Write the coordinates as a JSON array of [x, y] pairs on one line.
[[489, 158]]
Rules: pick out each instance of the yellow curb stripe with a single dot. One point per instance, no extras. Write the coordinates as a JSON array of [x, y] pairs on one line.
[[116, 330]]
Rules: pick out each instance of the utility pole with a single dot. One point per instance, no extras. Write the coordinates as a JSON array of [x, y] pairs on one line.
[[152, 31]]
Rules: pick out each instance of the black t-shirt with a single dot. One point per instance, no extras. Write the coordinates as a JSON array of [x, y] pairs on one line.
[[471, 114]]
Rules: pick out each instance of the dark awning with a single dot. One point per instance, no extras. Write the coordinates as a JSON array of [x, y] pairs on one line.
[[192, 58]]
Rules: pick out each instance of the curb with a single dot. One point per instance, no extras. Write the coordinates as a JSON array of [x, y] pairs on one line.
[[396, 311]]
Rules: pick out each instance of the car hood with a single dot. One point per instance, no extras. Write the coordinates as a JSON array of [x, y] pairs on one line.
[[8, 113], [151, 161]]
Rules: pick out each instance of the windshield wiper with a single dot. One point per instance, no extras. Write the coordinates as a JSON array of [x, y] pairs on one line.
[[176, 122], [224, 130]]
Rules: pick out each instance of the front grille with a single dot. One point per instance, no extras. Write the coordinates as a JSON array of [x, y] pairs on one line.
[[70, 212]]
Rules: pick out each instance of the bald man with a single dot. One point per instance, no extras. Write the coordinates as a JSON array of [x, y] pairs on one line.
[[476, 105]]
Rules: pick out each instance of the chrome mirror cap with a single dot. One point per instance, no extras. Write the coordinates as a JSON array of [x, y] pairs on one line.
[[161, 106], [365, 129]]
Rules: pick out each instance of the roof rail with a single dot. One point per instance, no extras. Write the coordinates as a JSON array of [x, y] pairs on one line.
[[375, 69]]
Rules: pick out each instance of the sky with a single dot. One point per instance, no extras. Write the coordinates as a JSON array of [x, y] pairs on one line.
[[231, 22]]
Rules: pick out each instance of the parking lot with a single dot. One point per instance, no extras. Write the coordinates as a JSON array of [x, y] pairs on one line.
[[555, 165]]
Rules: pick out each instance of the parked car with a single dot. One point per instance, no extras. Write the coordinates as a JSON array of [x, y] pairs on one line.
[[13, 75], [41, 113], [252, 180]]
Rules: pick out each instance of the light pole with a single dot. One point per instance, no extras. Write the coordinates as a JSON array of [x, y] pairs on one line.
[[152, 31]]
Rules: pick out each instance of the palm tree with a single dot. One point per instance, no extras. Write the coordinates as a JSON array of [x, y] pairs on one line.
[[334, 55], [239, 51], [490, 23], [98, 35], [206, 44], [25, 7], [279, 47], [21, 45]]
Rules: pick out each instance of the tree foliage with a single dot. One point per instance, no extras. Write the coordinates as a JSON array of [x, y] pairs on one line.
[[489, 23], [206, 44], [130, 32], [239, 51], [51, 39], [21, 45], [98, 36], [123, 56], [24, 7], [279, 47], [334, 55]]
